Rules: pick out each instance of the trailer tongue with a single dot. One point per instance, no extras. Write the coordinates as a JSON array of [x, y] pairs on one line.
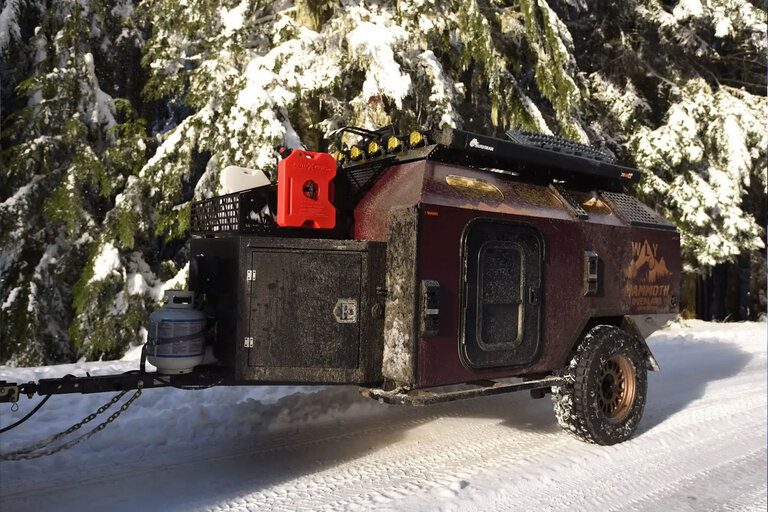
[[203, 376], [405, 263]]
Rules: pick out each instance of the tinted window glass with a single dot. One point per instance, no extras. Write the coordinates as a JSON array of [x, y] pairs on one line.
[[500, 283]]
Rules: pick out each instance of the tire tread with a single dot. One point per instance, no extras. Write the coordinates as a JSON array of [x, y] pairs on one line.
[[571, 408]]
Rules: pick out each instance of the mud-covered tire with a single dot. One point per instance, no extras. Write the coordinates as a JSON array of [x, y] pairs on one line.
[[594, 405]]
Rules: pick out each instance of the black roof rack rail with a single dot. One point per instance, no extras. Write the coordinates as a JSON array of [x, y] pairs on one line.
[[528, 156], [534, 156]]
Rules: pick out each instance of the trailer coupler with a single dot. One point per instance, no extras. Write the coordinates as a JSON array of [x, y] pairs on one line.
[[200, 378]]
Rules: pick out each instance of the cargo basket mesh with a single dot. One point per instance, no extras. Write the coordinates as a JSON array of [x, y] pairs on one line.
[[560, 145], [217, 214], [249, 211]]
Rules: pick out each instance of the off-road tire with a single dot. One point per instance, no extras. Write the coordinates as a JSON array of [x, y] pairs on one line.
[[584, 405]]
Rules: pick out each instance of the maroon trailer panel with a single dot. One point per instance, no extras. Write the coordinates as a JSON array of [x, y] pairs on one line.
[[637, 269], [565, 310], [401, 185]]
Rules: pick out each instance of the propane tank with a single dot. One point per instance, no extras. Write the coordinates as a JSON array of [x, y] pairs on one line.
[[176, 338]]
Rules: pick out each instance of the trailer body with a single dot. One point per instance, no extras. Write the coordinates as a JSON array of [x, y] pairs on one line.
[[420, 262], [448, 274]]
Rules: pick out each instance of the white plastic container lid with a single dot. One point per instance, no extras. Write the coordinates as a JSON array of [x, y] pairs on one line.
[[234, 179]]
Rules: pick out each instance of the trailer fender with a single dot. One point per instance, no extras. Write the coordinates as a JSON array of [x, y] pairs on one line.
[[643, 326], [650, 360], [640, 326]]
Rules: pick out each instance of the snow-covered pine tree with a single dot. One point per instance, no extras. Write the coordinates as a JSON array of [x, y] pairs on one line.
[[256, 74], [67, 152], [677, 88], [682, 86]]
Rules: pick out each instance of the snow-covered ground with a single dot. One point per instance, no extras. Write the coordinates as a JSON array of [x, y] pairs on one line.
[[701, 445]]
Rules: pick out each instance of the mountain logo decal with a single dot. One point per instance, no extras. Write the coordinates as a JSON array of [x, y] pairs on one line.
[[645, 255], [646, 273]]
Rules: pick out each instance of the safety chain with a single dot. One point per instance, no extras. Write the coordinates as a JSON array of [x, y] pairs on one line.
[[32, 452]]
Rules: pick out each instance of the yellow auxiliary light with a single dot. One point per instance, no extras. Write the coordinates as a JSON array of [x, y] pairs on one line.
[[416, 139], [339, 156], [394, 144], [374, 149], [355, 153]]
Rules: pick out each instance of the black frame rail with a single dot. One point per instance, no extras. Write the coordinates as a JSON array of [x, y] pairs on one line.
[[487, 388]]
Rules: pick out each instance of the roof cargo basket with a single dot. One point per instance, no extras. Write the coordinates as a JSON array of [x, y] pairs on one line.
[[535, 157], [559, 144]]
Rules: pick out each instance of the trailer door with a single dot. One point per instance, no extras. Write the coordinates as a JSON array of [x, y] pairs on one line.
[[501, 294]]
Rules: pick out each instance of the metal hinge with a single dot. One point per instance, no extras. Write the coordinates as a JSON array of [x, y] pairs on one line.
[[248, 342]]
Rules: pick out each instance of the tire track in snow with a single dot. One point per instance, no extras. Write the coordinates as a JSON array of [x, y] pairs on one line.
[[302, 446], [430, 470], [678, 435], [737, 471], [704, 425], [390, 420], [613, 481], [430, 462], [270, 443], [595, 470], [713, 409], [420, 465]]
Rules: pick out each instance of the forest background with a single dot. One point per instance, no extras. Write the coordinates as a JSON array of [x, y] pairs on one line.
[[116, 115]]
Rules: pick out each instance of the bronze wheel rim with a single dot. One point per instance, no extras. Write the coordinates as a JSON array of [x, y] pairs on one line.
[[617, 388]]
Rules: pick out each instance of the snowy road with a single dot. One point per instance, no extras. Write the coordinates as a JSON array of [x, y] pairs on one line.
[[701, 446]]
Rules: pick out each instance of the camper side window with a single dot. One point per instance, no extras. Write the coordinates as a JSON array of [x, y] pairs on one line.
[[500, 294]]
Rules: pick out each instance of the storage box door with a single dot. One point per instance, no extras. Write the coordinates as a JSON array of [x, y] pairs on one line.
[[501, 294], [304, 309]]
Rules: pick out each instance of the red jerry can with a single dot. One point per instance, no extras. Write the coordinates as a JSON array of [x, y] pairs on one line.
[[305, 190]]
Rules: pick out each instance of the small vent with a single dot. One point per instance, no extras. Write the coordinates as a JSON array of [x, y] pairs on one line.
[[635, 213], [571, 204]]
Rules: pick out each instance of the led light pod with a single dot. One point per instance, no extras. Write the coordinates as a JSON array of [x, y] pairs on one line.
[[394, 144], [374, 149], [416, 139]]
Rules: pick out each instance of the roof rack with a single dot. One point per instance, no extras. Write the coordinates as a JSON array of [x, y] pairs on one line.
[[530, 156], [536, 157]]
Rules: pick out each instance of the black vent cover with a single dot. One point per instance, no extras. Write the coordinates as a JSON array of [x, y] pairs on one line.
[[635, 213]]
